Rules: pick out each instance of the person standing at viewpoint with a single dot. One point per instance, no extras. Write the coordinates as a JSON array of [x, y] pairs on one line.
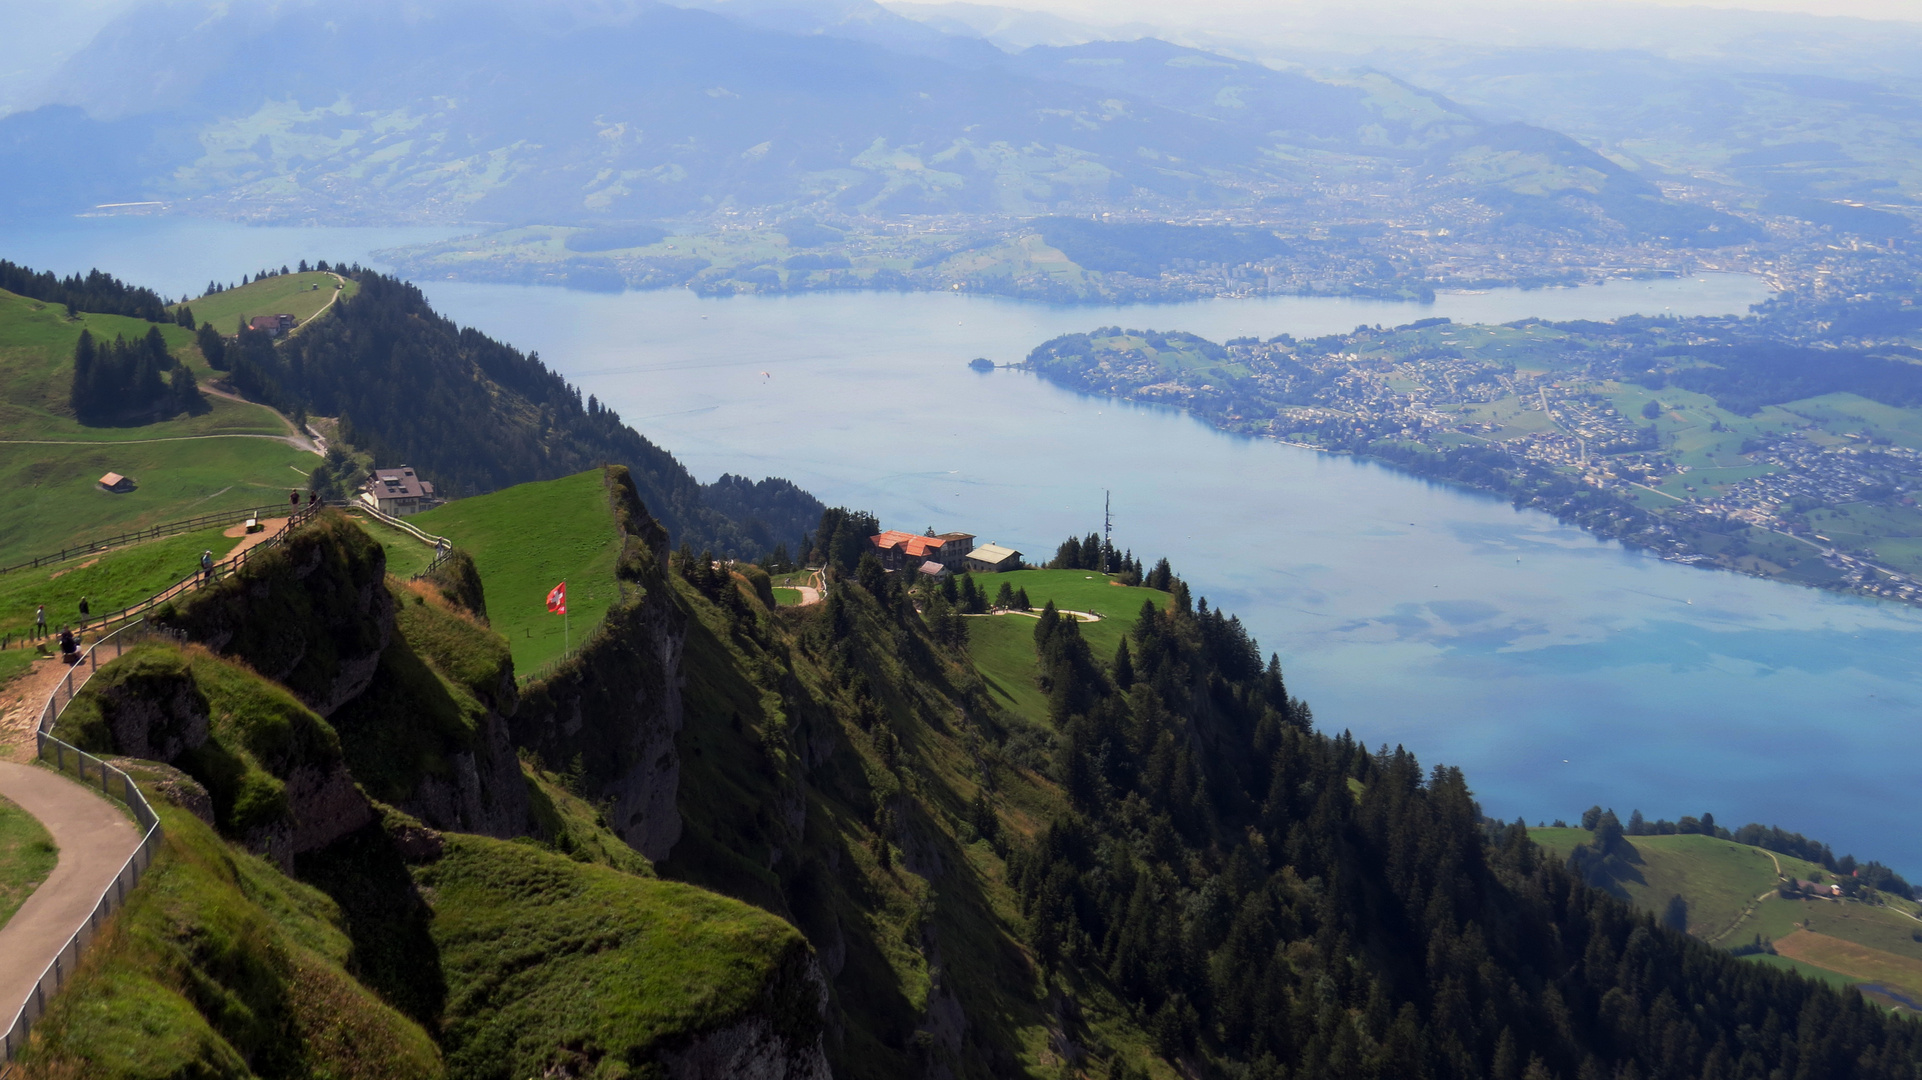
[[40, 621]]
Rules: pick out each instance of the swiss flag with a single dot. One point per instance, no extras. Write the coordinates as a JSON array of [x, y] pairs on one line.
[[557, 600]]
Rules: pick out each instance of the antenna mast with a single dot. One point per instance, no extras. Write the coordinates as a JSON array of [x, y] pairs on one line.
[[1107, 528]]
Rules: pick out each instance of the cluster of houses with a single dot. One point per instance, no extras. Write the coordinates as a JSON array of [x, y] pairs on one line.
[[939, 556]]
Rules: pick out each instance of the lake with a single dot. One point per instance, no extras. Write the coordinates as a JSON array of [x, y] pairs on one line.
[[1556, 669]]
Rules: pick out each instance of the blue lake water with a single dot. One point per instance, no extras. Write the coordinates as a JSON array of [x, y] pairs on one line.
[[1558, 670]]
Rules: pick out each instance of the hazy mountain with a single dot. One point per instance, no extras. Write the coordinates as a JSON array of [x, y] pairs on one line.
[[573, 114]]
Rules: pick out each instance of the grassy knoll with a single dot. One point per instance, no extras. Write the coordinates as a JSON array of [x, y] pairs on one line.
[[299, 295], [541, 952], [1839, 942], [109, 581], [1003, 645], [220, 966], [49, 499], [27, 856], [524, 541], [258, 734]]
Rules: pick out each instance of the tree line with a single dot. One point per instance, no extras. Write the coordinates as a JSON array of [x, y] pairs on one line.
[[97, 292], [1870, 874], [125, 381]]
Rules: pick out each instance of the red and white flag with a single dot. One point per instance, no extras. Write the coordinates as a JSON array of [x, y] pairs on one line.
[[557, 600]]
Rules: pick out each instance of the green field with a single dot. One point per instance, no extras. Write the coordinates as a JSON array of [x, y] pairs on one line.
[[49, 501], [1002, 646], [27, 856], [299, 295], [110, 580], [527, 539], [183, 466], [786, 597]]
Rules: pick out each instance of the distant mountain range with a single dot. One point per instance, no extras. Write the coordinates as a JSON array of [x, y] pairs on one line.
[[479, 111]]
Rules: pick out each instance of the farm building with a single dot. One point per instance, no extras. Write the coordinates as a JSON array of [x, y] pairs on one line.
[[115, 482], [398, 492], [993, 559], [275, 325], [900, 550]]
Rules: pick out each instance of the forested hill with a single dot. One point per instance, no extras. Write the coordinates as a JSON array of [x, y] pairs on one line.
[[474, 415], [1255, 891]]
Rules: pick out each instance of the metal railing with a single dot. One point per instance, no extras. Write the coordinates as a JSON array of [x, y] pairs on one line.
[[63, 755], [402, 524], [225, 517], [76, 762]]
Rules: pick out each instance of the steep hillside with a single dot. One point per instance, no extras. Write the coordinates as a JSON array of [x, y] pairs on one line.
[[309, 682], [1162, 870]]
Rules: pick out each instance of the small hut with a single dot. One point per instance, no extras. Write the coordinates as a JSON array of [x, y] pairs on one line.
[[115, 482]]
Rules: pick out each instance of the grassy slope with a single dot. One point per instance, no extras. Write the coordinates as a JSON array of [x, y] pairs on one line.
[[47, 493], [109, 581], [524, 541], [540, 951], [221, 967], [27, 856], [1720, 880], [1003, 645], [291, 294]]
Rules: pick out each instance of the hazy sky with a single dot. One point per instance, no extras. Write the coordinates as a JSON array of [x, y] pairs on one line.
[[1192, 11], [39, 36]]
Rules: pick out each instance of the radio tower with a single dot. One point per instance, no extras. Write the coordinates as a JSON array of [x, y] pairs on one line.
[[1107, 528]]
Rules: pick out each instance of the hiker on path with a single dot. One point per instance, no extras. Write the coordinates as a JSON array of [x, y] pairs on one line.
[[40, 621], [206, 566], [69, 649], [293, 500], [84, 609]]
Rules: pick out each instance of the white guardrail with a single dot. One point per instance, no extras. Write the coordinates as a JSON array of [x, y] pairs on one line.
[[89, 770]]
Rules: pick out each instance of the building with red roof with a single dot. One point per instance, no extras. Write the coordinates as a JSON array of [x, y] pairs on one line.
[[898, 550]]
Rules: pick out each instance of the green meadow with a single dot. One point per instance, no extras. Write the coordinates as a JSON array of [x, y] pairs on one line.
[[527, 539], [299, 295], [49, 499]]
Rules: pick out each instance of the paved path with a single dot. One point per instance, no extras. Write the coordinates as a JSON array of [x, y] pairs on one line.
[[94, 837]]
